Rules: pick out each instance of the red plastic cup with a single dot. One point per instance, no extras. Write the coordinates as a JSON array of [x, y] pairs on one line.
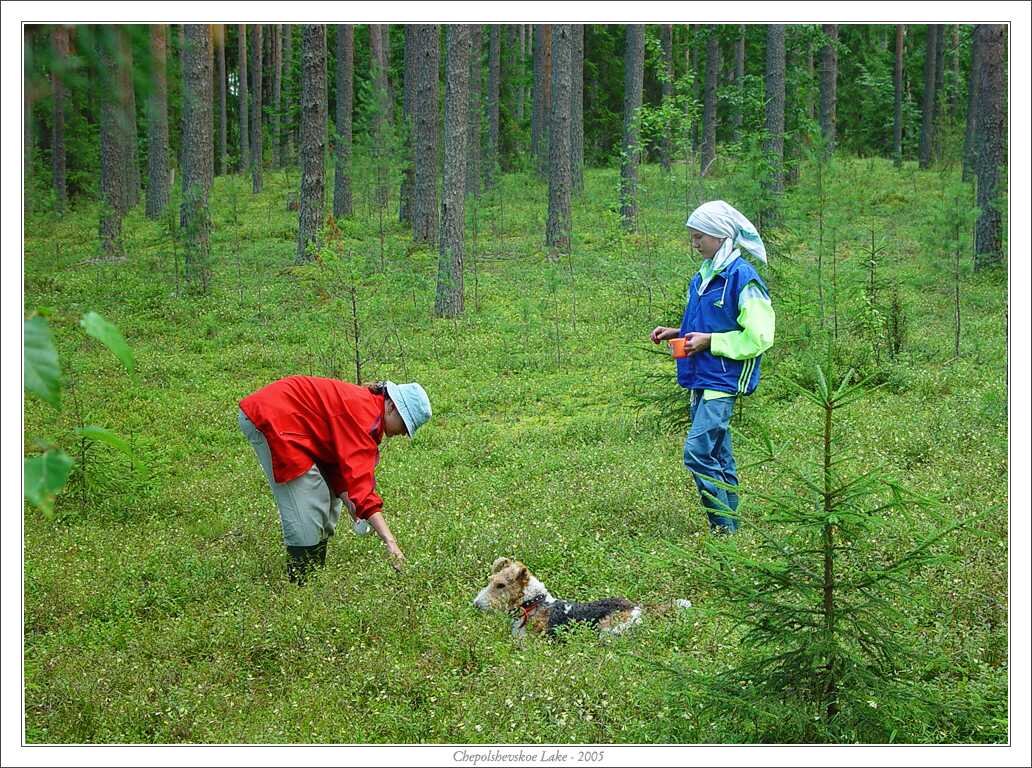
[[677, 347]]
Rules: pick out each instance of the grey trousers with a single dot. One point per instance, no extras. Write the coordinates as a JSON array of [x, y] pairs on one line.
[[307, 507]]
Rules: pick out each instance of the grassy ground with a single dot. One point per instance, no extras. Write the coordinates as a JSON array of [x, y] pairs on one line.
[[156, 607]]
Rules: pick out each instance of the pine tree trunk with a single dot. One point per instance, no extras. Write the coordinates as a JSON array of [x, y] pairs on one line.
[[407, 106], [990, 141], [509, 119], [451, 246], [557, 232], [342, 205], [829, 82], [157, 126], [289, 95], [256, 107], [130, 195], [198, 160], [928, 98], [955, 69], [277, 96], [245, 130], [709, 109], [938, 111], [427, 117], [473, 126], [774, 144], [313, 140], [969, 133], [521, 70], [135, 181], [114, 148], [381, 107], [60, 43], [542, 96], [634, 72], [666, 40], [494, 63], [220, 79], [897, 122], [577, 110], [739, 82]]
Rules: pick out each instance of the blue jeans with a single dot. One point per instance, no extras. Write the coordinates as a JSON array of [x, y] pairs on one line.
[[707, 454]]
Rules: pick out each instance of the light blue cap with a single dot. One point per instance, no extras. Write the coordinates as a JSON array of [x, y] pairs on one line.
[[412, 403]]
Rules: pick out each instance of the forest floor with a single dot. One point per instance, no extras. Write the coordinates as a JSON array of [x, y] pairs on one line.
[[156, 607]]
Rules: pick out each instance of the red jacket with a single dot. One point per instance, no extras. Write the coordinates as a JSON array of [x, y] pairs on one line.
[[333, 424]]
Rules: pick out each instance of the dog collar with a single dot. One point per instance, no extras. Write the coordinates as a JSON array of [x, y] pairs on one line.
[[527, 607]]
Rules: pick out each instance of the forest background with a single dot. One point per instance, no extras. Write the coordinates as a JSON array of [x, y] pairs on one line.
[[853, 293]]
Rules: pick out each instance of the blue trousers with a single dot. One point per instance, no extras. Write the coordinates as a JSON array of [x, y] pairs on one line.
[[707, 454]]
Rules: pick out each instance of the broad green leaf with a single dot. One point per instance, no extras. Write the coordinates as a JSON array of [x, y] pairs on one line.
[[42, 370], [108, 335], [102, 435], [44, 476]]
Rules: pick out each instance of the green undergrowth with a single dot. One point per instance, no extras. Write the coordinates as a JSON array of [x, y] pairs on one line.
[[156, 607]]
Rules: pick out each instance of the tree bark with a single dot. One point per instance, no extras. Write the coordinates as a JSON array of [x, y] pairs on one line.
[[990, 141], [739, 83], [256, 107], [60, 42], [157, 126], [666, 40], [542, 98], [897, 80], [451, 252], [407, 107], [313, 140], [634, 72], [521, 70], [774, 145], [427, 63], [577, 110], [135, 181], [928, 98], [114, 148], [277, 96], [198, 160], [969, 133], [245, 131], [939, 108], [289, 96], [709, 110], [829, 83], [494, 63], [557, 231], [220, 80], [473, 127], [342, 205], [381, 107]]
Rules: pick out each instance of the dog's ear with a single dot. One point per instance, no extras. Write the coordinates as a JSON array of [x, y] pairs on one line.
[[500, 563], [523, 574]]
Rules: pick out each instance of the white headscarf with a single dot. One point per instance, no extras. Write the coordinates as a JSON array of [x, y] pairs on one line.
[[719, 219]]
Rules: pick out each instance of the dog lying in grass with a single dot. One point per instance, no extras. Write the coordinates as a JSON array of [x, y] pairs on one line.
[[513, 589]]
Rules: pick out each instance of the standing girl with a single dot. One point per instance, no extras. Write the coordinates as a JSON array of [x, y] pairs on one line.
[[728, 324]]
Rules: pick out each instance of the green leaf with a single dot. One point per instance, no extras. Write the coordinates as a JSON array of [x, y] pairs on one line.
[[42, 370], [102, 435], [108, 335], [44, 476], [822, 385]]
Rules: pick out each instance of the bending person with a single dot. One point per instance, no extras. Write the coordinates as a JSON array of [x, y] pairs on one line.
[[318, 441]]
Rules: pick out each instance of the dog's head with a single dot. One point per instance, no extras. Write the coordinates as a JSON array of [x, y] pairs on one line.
[[509, 586]]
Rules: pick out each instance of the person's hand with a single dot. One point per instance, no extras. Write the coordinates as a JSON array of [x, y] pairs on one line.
[[663, 333], [696, 342], [395, 558]]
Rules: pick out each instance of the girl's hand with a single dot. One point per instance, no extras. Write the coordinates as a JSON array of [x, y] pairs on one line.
[[663, 333], [696, 342]]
